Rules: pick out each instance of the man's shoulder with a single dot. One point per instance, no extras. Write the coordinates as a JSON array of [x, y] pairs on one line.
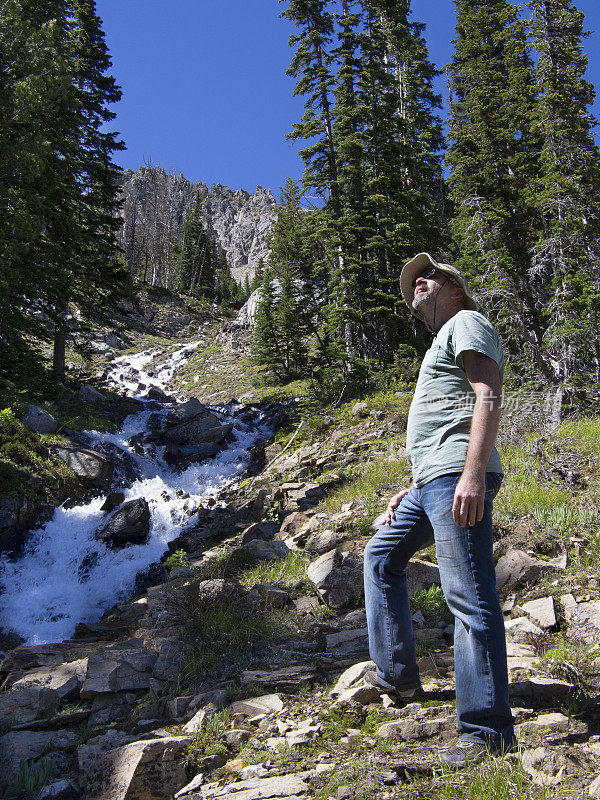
[[474, 320]]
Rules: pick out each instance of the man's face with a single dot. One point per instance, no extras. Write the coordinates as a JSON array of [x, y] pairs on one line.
[[427, 285]]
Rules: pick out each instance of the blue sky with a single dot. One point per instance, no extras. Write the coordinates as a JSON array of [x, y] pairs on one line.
[[204, 85]]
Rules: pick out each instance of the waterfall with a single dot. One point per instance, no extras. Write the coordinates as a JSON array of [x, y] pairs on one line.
[[66, 575]]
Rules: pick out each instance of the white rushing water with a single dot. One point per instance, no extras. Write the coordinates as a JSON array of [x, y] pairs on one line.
[[65, 574]]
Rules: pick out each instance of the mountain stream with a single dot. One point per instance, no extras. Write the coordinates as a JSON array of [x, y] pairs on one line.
[[66, 575]]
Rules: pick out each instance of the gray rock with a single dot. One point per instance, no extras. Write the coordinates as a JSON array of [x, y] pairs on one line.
[[130, 525], [171, 659], [351, 676], [20, 746], [324, 541], [86, 753], [158, 394], [93, 467], [41, 690], [118, 669], [61, 789], [265, 704], [516, 568], [554, 723], [540, 689], [421, 575], [146, 770], [38, 420], [337, 577], [204, 427], [183, 412], [360, 409], [541, 611], [260, 530], [266, 551], [88, 394], [278, 787]]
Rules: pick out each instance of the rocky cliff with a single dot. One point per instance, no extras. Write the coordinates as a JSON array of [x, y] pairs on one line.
[[154, 206]]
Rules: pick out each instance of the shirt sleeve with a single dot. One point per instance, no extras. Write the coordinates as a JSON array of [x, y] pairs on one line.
[[472, 331]]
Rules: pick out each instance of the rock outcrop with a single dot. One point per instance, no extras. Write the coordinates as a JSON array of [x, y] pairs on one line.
[[238, 221]]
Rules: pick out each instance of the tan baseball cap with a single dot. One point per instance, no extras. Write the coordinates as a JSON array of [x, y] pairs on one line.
[[416, 265]]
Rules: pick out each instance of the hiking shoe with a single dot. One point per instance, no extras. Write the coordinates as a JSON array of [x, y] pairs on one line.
[[463, 754], [403, 695]]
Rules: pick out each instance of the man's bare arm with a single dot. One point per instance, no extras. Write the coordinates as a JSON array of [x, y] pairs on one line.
[[484, 377]]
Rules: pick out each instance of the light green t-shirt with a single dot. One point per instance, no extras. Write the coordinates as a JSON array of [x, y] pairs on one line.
[[439, 420]]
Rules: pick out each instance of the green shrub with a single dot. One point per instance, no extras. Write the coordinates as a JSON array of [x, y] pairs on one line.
[[177, 559], [431, 603], [29, 779], [492, 779]]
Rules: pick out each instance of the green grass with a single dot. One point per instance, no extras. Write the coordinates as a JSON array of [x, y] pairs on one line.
[[431, 603], [359, 773], [283, 572], [492, 779], [582, 434], [24, 456], [521, 491], [208, 740], [29, 779], [367, 485], [218, 645]]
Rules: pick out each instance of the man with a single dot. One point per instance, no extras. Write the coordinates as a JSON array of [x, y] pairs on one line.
[[452, 428]]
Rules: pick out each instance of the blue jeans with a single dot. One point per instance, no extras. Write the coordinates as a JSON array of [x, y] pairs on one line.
[[468, 580]]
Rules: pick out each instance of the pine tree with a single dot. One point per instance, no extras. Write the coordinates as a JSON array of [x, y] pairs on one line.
[[565, 264], [266, 348], [194, 253], [95, 274], [373, 111], [493, 158], [291, 331]]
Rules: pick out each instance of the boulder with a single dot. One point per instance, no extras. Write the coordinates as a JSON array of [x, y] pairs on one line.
[[337, 577], [38, 420], [323, 541], [20, 746], [181, 456], [86, 753], [277, 787], [541, 611], [145, 770], [40, 691], [118, 669], [88, 394], [260, 530], [516, 568], [265, 704], [421, 575], [171, 659], [130, 525], [183, 412], [92, 467], [351, 676], [266, 551], [113, 499], [158, 394], [195, 430]]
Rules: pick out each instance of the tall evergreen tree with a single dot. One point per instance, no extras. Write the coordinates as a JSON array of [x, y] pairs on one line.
[[376, 161], [195, 253], [492, 154], [57, 180], [566, 257], [266, 348]]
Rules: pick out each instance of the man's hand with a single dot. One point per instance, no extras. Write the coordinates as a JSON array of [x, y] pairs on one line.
[[390, 511], [469, 500]]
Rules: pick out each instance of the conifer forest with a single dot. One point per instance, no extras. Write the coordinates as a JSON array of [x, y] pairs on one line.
[[507, 190]]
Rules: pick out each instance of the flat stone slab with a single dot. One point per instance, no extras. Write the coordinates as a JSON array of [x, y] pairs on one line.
[[275, 788], [541, 611], [20, 746], [266, 704]]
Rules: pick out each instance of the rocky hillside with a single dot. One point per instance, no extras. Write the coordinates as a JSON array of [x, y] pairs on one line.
[[155, 202], [237, 673]]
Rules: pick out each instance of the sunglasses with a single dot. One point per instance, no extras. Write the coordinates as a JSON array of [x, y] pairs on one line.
[[430, 272]]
